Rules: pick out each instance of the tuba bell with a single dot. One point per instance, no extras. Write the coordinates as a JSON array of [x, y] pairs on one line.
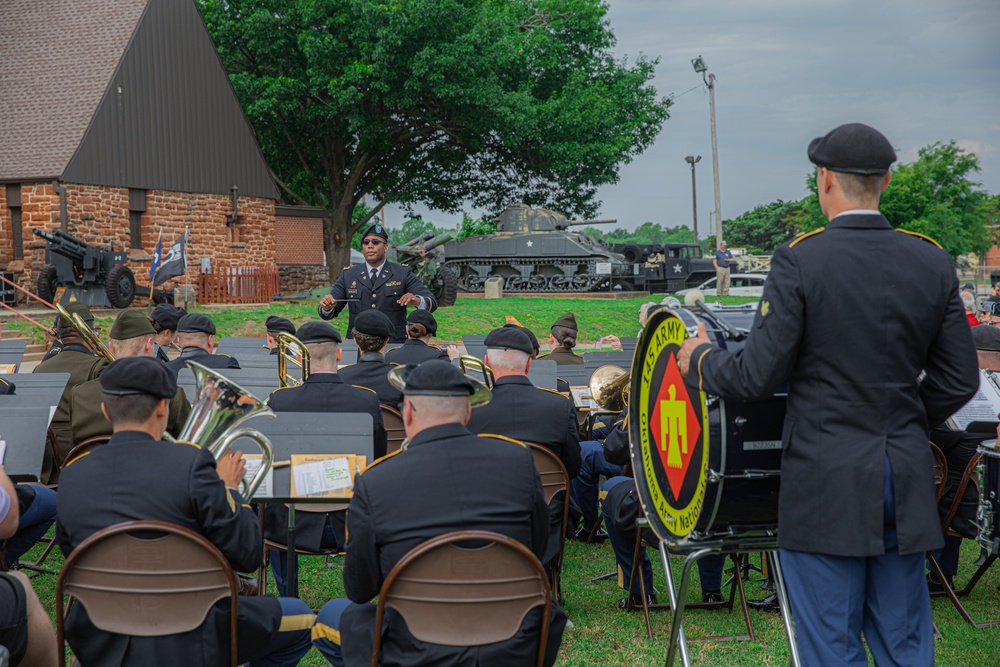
[[218, 407], [291, 351], [609, 387]]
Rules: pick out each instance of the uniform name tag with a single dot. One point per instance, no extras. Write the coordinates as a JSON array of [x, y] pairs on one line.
[[754, 445]]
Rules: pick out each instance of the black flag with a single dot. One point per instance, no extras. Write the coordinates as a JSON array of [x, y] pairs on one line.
[[174, 263]]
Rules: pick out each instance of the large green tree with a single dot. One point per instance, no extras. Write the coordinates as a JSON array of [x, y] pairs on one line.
[[766, 227], [933, 195], [441, 102]]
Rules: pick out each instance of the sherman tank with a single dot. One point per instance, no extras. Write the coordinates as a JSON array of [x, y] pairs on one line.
[[534, 251]]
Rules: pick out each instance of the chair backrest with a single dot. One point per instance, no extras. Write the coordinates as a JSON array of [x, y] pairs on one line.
[[466, 595], [940, 469], [147, 579], [86, 447], [396, 432], [550, 469]]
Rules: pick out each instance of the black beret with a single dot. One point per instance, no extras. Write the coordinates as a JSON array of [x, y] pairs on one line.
[[275, 324], [78, 308], [167, 315], [854, 148], [509, 338], [139, 375], [131, 324], [986, 337], [196, 323], [436, 378], [421, 316], [528, 332], [568, 320], [318, 332], [6, 387], [376, 230], [373, 323], [969, 286]]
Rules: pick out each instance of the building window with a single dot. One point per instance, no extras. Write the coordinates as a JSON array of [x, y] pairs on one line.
[[136, 207], [14, 206]]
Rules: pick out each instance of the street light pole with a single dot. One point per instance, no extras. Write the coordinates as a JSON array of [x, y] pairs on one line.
[[701, 68], [692, 160]]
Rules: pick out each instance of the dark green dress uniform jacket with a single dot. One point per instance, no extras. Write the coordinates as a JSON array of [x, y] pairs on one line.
[[415, 351], [372, 372], [82, 365], [563, 356], [135, 477], [852, 317], [355, 291], [87, 420], [446, 480], [200, 356]]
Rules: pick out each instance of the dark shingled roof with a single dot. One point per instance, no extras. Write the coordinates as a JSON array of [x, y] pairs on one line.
[[56, 60]]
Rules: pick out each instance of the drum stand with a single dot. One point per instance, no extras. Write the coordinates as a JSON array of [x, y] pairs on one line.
[[697, 551]]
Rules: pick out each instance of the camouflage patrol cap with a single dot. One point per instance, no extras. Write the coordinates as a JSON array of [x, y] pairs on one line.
[[568, 321], [132, 324]]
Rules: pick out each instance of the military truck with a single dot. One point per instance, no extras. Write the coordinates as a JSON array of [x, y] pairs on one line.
[[533, 250], [667, 267]]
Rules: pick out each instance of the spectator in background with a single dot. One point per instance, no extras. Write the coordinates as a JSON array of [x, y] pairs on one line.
[[989, 311], [723, 262], [969, 302]]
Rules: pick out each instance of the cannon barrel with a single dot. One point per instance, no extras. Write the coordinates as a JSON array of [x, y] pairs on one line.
[[440, 239], [416, 240], [593, 222], [64, 244]]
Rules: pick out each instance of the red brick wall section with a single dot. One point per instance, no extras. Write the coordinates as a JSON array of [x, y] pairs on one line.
[[100, 215], [301, 240], [6, 235]]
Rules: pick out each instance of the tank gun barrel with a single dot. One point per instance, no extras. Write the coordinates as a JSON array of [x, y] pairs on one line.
[[603, 221]]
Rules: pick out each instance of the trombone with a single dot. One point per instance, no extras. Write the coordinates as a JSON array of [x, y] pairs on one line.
[[86, 333], [291, 351], [469, 363]]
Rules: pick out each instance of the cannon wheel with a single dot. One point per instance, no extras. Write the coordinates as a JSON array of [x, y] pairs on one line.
[[48, 281], [449, 287], [120, 287]]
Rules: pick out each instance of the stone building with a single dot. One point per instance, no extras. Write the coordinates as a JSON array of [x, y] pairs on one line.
[[118, 121]]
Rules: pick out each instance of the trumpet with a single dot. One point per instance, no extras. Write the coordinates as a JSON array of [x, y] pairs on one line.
[[469, 363], [609, 387], [291, 351], [217, 408]]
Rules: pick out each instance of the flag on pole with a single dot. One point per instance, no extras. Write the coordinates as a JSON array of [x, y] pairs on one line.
[[157, 256], [174, 262]]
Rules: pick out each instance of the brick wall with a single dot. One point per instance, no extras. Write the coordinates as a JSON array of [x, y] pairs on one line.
[[100, 215], [301, 240]]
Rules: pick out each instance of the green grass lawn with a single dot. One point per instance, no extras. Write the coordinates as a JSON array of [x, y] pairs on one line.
[[603, 635]]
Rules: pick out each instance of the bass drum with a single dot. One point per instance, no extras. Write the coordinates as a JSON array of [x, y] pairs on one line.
[[706, 468]]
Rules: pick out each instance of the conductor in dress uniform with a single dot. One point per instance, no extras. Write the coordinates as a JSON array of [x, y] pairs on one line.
[[165, 318], [138, 476], [323, 391], [196, 337], [377, 284], [562, 340], [132, 335], [865, 325], [446, 480], [82, 365], [420, 326], [372, 331], [275, 325]]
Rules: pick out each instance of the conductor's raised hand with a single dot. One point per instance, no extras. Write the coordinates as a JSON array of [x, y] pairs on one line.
[[232, 468], [409, 300], [689, 346], [327, 302]]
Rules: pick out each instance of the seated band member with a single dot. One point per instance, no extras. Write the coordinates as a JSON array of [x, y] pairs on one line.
[[131, 336], [323, 391], [520, 410], [446, 480], [25, 629], [165, 318], [274, 326], [27, 511], [562, 340], [420, 328], [82, 365], [196, 337], [372, 330], [138, 476]]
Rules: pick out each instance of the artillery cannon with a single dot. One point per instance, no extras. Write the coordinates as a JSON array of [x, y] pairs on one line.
[[425, 257], [95, 275]]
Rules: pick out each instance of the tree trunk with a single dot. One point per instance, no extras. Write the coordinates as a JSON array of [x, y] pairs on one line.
[[337, 242]]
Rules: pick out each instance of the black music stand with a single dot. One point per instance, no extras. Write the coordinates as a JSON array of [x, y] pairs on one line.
[[12, 352], [309, 433], [543, 374], [24, 428]]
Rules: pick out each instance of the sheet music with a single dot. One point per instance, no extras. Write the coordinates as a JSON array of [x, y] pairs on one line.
[[253, 463], [326, 475], [581, 396], [983, 407]]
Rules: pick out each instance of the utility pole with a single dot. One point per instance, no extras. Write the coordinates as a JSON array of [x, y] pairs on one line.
[[692, 160], [701, 68]]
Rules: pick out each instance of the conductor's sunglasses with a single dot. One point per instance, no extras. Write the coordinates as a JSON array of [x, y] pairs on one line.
[[372, 242]]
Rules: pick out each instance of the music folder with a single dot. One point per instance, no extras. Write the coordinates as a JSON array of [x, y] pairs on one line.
[[979, 415]]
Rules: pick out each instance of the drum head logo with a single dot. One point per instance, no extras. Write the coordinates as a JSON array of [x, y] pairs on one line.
[[669, 431]]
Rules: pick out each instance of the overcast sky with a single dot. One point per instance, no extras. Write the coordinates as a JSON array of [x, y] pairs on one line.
[[787, 71]]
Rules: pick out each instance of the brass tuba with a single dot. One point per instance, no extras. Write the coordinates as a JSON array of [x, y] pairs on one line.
[[86, 333], [291, 351], [471, 364], [218, 407], [609, 387]]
